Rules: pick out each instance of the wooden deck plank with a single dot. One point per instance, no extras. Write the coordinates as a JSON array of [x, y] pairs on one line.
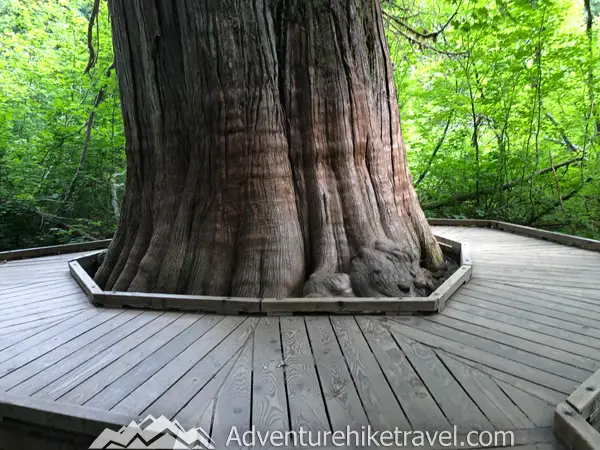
[[466, 324], [45, 286], [497, 348], [419, 406], [488, 396], [52, 374], [548, 395], [58, 354], [540, 412], [109, 364], [269, 395], [487, 319], [519, 370], [175, 398], [43, 297], [378, 399], [579, 332], [44, 342], [233, 405], [198, 411], [341, 399], [147, 392], [82, 306], [17, 333], [60, 304], [305, 402], [57, 387], [132, 377], [566, 285], [591, 294], [551, 305], [456, 404]]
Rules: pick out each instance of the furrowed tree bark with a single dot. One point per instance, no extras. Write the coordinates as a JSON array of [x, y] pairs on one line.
[[264, 153]]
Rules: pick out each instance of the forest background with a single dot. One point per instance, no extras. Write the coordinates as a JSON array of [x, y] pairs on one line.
[[498, 101]]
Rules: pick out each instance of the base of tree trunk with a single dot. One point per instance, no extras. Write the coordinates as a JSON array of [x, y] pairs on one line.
[[265, 155]]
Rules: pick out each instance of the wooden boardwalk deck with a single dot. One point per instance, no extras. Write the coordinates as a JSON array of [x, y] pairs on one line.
[[510, 345]]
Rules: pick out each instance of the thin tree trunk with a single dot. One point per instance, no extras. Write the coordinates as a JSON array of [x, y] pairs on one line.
[[589, 25], [264, 153]]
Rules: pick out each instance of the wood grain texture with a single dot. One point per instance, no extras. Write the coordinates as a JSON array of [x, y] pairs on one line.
[[305, 403], [380, 403], [507, 348]]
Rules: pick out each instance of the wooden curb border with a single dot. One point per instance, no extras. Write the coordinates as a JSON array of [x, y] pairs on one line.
[[54, 250], [576, 421], [80, 267], [551, 236]]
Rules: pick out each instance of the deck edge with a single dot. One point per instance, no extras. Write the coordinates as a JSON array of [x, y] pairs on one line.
[[60, 416], [81, 267]]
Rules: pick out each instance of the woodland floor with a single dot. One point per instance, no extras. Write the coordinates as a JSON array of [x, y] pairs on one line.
[[509, 346]]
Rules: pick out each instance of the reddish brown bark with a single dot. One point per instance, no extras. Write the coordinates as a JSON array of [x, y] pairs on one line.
[[265, 155]]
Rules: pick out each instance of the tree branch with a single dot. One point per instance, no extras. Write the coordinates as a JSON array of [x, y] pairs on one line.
[[86, 144], [435, 150], [90, 37], [491, 190], [563, 135], [557, 203]]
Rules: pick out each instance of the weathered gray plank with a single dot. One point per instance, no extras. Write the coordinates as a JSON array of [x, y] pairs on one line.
[[452, 399], [306, 405], [35, 346], [476, 326], [141, 372], [85, 356], [485, 319], [57, 355], [576, 331], [32, 318], [341, 399], [419, 407], [39, 309], [46, 297], [559, 307], [233, 404], [269, 399], [552, 381], [484, 391], [147, 369], [107, 365], [13, 335], [147, 392], [377, 397], [541, 392], [496, 348], [199, 375], [539, 411], [198, 411], [55, 388], [47, 287]]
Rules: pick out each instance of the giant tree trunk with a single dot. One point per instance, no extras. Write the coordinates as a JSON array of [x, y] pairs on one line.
[[264, 153]]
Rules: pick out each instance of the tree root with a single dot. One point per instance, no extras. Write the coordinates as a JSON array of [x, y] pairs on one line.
[[383, 271]]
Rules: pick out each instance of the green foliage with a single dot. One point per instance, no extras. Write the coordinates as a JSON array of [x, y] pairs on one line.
[[493, 94], [45, 104], [516, 79]]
